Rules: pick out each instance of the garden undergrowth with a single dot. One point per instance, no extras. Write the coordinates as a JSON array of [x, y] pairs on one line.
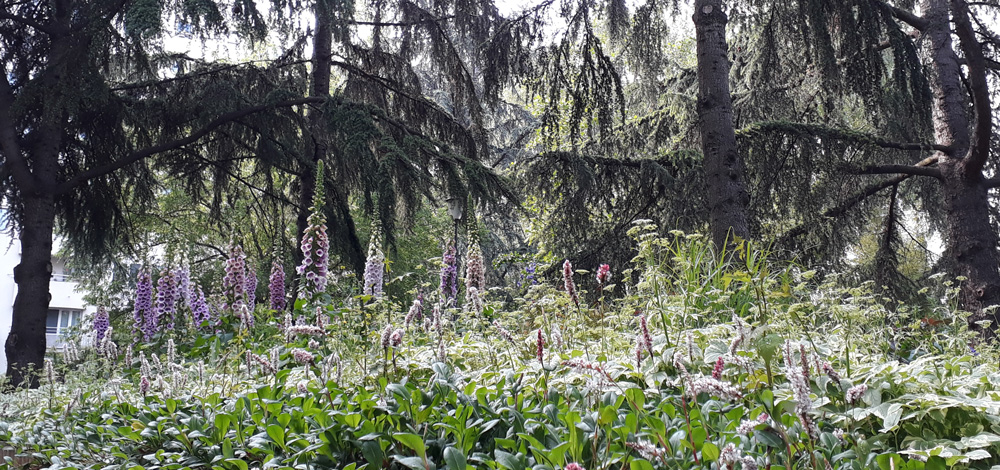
[[748, 363]]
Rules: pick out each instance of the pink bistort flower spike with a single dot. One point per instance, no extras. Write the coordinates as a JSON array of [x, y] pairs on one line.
[[540, 351], [854, 394], [569, 284], [302, 356], [396, 339], [604, 275], [647, 338], [386, 336], [717, 370]]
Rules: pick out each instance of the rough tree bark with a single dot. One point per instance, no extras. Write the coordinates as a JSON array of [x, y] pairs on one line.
[[971, 242], [319, 86], [724, 166], [25, 346]]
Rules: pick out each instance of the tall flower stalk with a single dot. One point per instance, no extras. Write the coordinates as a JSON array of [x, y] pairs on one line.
[[143, 313], [315, 244], [251, 287], [101, 325], [276, 286], [569, 284], [374, 266], [234, 283], [475, 277], [449, 276], [199, 307], [166, 298]]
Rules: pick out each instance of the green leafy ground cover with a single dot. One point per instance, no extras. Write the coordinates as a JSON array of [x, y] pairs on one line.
[[748, 364]]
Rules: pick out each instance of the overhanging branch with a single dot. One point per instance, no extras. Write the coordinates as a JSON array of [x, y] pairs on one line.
[[842, 208], [847, 135], [896, 169], [83, 176], [902, 15], [856, 198]]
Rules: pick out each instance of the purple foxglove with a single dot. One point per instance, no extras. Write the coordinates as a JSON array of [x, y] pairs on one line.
[[166, 298], [199, 308], [475, 274], [276, 287], [374, 268], [315, 244], [101, 325], [251, 288], [143, 304]]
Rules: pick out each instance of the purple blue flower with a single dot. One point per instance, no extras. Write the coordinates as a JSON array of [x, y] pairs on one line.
[[166, 298], [276, 286], [101, 325], [143, 304]]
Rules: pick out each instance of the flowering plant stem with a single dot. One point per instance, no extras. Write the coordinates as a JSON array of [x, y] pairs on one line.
[[687, 419]]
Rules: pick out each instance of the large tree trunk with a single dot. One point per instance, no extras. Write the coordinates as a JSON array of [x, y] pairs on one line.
[[971, 241], [25, 347], [971, 244], [724, 167], [319, 86]]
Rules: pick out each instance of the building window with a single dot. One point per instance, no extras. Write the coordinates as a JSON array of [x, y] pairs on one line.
[[59, 321]]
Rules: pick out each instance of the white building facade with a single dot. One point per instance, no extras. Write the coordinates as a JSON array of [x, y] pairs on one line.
[[67, 308]]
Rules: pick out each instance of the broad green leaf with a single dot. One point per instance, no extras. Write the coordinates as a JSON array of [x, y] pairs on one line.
[[454, 458], [640, 464], [769, 438], [413, 441], [416, 463], [892, 416], [710, 452]]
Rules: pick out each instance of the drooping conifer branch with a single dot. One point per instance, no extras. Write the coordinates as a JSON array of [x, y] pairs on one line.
[[821, 131], [136, 156], [912, 170], [47, 29], [856, 198], [10, 145]]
